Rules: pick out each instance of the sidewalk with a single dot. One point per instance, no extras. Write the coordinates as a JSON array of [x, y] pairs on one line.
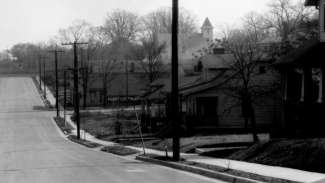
[[49, 96], [264, 170]]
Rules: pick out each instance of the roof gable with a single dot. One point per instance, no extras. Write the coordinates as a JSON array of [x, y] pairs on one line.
[[207, 23]]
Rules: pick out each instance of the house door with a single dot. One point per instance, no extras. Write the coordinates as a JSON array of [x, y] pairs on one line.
[[207, 109]]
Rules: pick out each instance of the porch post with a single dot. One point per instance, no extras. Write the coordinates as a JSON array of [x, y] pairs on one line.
[[303, 79], [307, 84], [285, 80], [321, 86]]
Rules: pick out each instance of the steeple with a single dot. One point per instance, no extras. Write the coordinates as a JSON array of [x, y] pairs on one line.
[[207, 29]]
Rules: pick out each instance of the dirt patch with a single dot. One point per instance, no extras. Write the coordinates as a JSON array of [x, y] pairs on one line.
[[303, 154], [103, 125]]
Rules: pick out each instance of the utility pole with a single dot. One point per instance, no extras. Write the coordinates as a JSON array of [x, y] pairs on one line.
[[56, 81], [64, 95], [174, 92], [127, 82], [44, 86], [75, 84], [40, 72]]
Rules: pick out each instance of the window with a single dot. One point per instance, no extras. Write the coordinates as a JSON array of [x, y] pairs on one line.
[[262, 70]]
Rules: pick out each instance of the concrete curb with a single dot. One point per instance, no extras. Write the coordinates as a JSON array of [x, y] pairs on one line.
[[200, 171]]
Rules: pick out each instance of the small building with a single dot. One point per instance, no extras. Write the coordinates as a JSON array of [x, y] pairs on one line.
[[210, 107]]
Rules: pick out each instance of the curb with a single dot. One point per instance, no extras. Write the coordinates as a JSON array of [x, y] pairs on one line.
[[200, 171]]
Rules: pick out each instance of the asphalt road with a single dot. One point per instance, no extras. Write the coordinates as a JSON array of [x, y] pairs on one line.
[[33, 151]]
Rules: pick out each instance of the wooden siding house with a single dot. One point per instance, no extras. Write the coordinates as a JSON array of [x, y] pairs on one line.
[[303, 91], [207, 107]]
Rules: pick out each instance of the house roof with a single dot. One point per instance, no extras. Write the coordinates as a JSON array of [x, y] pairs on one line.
[[217, 61], [311, 53], [117, 86], [186, 83], [203, 86]]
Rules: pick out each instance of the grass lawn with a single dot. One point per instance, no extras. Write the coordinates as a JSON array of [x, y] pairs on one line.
[[303, 154], [103, 125], [119, 150]]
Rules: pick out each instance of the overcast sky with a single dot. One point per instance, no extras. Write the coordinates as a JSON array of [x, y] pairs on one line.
[[39, 20]]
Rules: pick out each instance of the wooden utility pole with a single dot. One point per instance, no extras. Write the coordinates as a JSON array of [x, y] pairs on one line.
[[40, 71], [44, 85], [64, 95], [127, 82], [174, 92], [56, 81], [76, 84]]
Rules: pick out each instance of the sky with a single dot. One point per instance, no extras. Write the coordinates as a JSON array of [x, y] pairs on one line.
[[39, 20]]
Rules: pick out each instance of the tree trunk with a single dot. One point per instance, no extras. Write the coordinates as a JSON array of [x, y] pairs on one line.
[[253, 122], [85, 88], [85, 96], [105, 97]]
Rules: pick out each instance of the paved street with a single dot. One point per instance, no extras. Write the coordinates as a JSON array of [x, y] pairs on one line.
[[33, 151]]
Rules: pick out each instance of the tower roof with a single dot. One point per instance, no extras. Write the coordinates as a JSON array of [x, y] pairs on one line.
[[207, 23]]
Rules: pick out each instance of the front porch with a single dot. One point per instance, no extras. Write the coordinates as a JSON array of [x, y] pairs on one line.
[[303, 91]]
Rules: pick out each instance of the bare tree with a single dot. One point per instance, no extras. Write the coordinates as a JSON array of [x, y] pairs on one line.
[[244, 85], [80, 30], [149, 55], [160, 21], [121, 25], [286, 17], [96, 42], [106, 68]]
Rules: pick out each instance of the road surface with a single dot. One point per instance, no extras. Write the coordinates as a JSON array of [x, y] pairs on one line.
[[33, 151]]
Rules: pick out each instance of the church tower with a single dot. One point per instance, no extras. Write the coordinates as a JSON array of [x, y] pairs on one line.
[[207, 30]]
